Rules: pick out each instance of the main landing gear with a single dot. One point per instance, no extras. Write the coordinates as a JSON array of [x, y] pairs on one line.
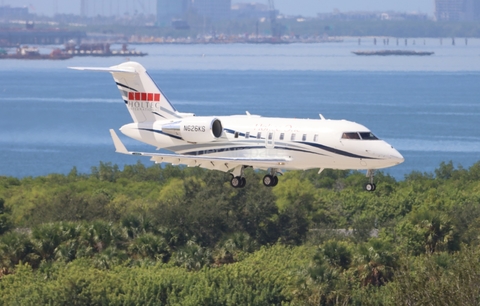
[[271, 180], [371, 185], [238, 179], [238, 182]]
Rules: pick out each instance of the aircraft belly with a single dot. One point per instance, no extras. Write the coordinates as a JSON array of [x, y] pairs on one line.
[[311, 160]]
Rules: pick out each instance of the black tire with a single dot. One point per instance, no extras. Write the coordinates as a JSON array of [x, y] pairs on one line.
[[243, 182], [374, 187], [370, 187], [268, 180], [236, 181], [275, 181]]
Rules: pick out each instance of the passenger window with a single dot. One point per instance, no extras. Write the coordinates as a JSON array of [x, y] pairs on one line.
[[247, 135], [315, 138], [270, 136], [350, 136], [282, 136], [259, 135], [304, 137], [236, 134], [293, 137]]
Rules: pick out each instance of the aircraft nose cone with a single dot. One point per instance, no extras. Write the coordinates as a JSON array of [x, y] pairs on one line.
[[396, 156]]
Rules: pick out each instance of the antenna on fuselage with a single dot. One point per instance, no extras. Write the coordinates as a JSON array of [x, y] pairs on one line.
[[321, 116]]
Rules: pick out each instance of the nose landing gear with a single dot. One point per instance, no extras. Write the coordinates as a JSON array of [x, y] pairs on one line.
[[371, 185]]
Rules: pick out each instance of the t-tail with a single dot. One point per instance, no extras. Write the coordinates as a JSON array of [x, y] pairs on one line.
[[144, 100]]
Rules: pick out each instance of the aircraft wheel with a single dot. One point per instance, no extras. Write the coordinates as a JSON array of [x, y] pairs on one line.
[[275, 181], [370, 187], [236, 182], [243, 182], [268, 180]]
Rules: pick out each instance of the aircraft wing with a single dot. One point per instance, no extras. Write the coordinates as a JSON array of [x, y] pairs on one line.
[[209, 162]]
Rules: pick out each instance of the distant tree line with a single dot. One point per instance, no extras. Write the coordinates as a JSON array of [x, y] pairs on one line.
[[182, 236]]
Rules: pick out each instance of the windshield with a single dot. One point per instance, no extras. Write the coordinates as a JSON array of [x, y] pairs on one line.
[[368, 136], [359, 135]]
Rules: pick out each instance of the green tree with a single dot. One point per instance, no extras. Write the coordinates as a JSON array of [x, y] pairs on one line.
[[429, 231], [149, 246], [375, 262], [16, 247], [5, 221], [192, 256]]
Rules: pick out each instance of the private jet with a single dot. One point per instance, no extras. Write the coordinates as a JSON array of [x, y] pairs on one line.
[[234, 143]]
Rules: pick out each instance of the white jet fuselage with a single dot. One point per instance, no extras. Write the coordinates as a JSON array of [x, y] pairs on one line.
[[307, 143]]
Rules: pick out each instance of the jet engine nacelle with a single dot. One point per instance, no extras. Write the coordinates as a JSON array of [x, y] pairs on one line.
[[195, 129]]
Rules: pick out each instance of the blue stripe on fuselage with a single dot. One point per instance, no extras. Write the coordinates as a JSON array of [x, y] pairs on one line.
[[161, 132], [236, 148]]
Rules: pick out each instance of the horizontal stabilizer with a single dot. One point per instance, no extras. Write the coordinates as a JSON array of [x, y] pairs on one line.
[[107, 69]]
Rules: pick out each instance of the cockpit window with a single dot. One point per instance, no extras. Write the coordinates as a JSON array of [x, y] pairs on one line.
[[368, 136], [359, 135], [350, 136]]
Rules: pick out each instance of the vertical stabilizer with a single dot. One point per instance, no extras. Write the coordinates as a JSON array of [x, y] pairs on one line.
[[144, 100]]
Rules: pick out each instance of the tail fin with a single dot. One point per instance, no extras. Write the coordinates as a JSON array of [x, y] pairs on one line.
[[144, 100]]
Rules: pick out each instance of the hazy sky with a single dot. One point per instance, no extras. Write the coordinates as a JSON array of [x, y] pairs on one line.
[[289, 7]]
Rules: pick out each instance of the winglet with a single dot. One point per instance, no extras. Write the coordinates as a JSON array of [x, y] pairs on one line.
[[119, 146]]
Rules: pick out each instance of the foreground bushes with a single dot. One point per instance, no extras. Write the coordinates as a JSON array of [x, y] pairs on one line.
[[184, 237], [271, 276]]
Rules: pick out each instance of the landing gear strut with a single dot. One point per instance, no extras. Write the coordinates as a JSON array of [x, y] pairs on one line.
[[271, 180], [371, 185]]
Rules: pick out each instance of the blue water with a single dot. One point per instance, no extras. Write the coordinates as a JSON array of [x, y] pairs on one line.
[[52, 118]]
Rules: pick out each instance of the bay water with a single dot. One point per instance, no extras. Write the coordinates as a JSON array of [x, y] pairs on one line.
[[53, 118]]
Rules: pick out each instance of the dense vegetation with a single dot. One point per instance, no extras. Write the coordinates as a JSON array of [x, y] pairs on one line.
[[173, 236]]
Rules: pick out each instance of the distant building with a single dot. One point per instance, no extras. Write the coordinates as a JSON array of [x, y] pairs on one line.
[[7, 12], [213, 9], [250, 11], [170, 10], [457, 10]]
